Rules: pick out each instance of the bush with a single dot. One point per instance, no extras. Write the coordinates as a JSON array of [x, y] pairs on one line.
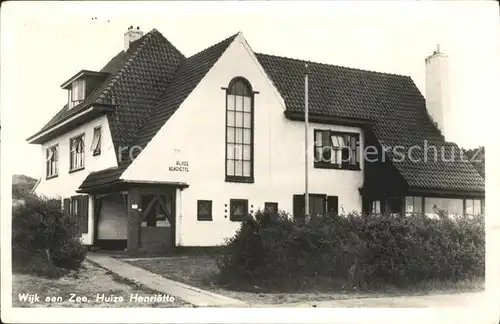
[[366, 251], [45, 239]]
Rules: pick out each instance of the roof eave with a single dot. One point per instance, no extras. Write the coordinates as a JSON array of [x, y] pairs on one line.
[[81, 73], [440, 192], [328, 119], [85, 114]]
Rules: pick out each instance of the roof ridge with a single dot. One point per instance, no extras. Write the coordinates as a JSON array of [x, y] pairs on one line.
[[107, 89], [330, 65], [214, 45]]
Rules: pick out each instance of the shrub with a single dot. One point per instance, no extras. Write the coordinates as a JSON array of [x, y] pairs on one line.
[[352, 251], [44, 238]]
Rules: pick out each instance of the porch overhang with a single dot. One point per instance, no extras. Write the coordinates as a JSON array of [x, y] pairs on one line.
[[120, 185], [446, 193]]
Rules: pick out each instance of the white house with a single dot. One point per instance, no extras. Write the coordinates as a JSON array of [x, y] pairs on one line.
[[158, 150]]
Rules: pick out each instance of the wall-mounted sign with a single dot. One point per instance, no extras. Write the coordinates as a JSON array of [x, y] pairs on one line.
[[180, 166]]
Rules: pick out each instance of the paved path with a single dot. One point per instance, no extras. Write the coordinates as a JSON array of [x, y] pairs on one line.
[[463, 300], [192, 295]]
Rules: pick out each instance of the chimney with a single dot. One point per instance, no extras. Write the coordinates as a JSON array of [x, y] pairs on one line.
[[131, 36], [437, 91]]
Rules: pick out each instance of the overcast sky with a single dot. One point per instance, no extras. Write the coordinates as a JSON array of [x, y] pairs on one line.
[[45, 43]]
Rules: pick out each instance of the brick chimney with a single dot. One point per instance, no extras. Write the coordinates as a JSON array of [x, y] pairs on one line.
[[131, 36], [437, 91]]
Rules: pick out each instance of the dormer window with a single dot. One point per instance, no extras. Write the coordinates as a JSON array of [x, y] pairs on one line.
[[80, 85], [76, 93]]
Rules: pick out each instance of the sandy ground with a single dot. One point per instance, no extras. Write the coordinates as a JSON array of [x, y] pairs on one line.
[[86, 289]]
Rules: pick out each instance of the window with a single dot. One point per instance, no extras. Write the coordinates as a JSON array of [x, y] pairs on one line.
[[77, 153], [271, 207], [77, 207], [77, 93], [52, 159], [74, 206], [238, 209], [317, 205], [204, 210], [454, 207], [413, 205], [473, 207], [96, 142], [156, 209], [376, 207], [239, 131], [335, 150], [332, 205]]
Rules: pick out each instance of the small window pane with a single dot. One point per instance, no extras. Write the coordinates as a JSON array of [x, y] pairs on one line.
[[204, 210], [230, 167], [247, 136], [230, 118], [417, 204], [247, 122], [230, 151], [239, 135], [271, 207], [230, 102], [469, 207], [238, 152], [239, 168], [318, 139], [477, 207], [239, 103], [246, 152], [230, 134], [239, 119], [247, 104], [409, 205], [246, 168]]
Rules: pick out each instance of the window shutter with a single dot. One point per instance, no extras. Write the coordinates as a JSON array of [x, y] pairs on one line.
[[84, 213], [66, 205], [332, 205]]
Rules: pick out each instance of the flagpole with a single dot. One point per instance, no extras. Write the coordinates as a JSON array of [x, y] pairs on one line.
[[306, 120]]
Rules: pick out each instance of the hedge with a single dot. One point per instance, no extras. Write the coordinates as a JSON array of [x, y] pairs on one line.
[[272, 251], [45, 239]]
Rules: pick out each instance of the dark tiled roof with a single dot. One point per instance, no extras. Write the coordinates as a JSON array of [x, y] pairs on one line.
[[392, 102], [182, 82]]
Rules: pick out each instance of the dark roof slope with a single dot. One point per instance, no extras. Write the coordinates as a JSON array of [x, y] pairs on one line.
[[186, 77], [392, 102]]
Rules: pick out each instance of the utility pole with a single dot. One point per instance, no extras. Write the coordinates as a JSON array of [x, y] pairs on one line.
[[306, 123]]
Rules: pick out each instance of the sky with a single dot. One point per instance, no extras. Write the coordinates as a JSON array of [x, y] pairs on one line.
[[44, 43]]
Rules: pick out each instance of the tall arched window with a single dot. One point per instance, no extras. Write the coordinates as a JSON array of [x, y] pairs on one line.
[[239, 131]]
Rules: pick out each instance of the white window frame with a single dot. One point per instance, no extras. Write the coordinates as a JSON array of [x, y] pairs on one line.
[[77, 153], [76, 97], [51, 161]]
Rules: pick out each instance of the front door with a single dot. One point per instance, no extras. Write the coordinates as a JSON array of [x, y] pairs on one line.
[[110, 225], [157, 220]]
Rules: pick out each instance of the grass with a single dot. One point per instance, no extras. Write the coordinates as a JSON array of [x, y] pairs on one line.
[[200, 271], [88, 282]]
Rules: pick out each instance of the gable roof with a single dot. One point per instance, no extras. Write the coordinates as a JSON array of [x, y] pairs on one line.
[[149, 82], [185, 78], [391, 102]]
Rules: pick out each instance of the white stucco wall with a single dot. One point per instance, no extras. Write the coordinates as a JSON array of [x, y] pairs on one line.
[[196, 134], [66, 183]]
